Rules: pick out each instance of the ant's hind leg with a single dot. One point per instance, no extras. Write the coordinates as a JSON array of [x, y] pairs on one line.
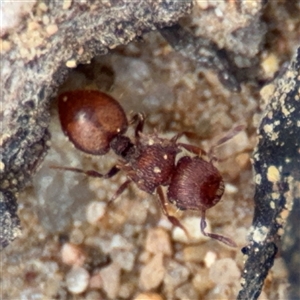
[[218, 237], [91, 173], [172, 219]]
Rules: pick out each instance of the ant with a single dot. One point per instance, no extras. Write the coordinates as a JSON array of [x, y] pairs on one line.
[[95, 123]]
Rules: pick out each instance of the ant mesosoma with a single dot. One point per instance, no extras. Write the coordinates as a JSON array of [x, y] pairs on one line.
[[95, 123]]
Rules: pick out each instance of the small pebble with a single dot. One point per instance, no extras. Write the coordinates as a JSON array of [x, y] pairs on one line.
[[230, 188], [186, 291], [95, 211], [224, 271], [144, 257], [279, 268], [241, 233], [72, 63], [72, 255], [263, 296], [165, 223], [51, 29], [76, 236], [6, 46], [203, 4], [201, 283], [243, 159], [127, 289], [266, 93], [158, 241], [270, 65], [119, 242], [176, 274], [77, 280], [66, 4], [111, 280], [125, 259], [96, 281], [43, 6], [210, 258], [138, 212], [152, 273], [93, 295], [148, 296], [195, 253]]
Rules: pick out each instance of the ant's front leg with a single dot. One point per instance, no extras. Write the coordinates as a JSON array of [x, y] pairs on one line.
[[140, 119], [172, 219], [91, 173], [191, 148]]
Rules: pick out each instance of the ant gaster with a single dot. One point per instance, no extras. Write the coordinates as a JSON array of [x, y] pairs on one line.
[[95, 123]]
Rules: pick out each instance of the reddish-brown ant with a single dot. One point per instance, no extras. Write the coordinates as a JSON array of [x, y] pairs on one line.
[[95, 123]]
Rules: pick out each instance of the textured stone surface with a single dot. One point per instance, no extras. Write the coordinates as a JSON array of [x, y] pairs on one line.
[[147, 75], [276, 164]]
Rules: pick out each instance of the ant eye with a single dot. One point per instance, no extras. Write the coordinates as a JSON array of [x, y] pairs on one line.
[[91, 120]]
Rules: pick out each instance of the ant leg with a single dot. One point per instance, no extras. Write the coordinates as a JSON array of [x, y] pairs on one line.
[[91, 173], [176, 137], [188, 134], [140, 124], [193, 149], [197, 150], [140, 119], [228, 136], [119, 191], [172, 219], [218, 237]]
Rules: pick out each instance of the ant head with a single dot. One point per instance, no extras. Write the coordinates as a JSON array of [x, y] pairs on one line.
[[91, 120]]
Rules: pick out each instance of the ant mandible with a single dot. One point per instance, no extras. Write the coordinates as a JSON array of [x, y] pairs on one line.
[[95, 123]]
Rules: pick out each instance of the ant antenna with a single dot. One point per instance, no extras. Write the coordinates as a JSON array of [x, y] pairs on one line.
[[228, 136]]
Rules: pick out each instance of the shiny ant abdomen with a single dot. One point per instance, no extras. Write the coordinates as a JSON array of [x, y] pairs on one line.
[[95, 123]]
